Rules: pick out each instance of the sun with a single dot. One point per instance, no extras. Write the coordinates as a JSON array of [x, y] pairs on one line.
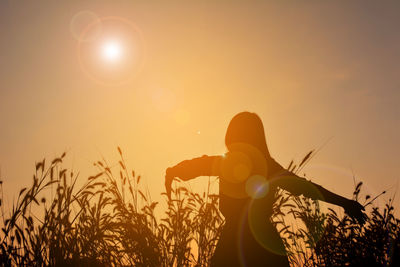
[[111, 51]]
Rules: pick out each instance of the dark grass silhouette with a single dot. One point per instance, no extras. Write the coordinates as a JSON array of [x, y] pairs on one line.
[[110, 220]]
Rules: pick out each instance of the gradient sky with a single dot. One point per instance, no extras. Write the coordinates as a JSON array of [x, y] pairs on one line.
[[313, 70]]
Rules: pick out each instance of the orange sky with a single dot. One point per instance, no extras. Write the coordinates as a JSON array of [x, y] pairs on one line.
[[312, 70]]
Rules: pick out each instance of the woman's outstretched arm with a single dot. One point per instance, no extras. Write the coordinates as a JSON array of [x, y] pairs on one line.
[[300, 186], [189, 169]]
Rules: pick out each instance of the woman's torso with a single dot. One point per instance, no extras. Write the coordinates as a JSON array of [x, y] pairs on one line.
[[249, 236]]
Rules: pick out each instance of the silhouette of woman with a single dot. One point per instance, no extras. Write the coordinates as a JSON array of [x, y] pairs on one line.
[[248, 180]]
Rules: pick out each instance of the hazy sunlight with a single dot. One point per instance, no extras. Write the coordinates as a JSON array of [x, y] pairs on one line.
[[111, 51]]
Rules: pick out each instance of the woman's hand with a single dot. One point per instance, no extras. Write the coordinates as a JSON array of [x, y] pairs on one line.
[[355, 210], [168, 182]]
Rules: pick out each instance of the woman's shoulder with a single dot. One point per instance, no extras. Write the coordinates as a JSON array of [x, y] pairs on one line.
[[274, 167]]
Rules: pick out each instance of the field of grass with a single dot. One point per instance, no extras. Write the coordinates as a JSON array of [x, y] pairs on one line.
[[111, 220]]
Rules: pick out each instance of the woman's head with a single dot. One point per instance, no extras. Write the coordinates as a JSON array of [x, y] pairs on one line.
[[247, 127]]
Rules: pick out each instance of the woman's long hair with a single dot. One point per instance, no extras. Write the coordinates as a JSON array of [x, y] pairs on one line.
[[247, 127]]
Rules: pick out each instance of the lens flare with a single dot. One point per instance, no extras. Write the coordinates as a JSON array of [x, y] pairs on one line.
[[264, 232], [257, 186], [241, 171], [80, 21], [238, 165]]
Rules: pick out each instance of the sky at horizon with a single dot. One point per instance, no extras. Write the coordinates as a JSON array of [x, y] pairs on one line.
[[316, 72]]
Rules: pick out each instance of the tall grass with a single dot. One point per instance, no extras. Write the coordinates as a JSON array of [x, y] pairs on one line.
[[111, 221]]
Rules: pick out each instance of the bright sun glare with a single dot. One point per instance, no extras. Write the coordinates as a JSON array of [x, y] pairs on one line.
[[111, 51]]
